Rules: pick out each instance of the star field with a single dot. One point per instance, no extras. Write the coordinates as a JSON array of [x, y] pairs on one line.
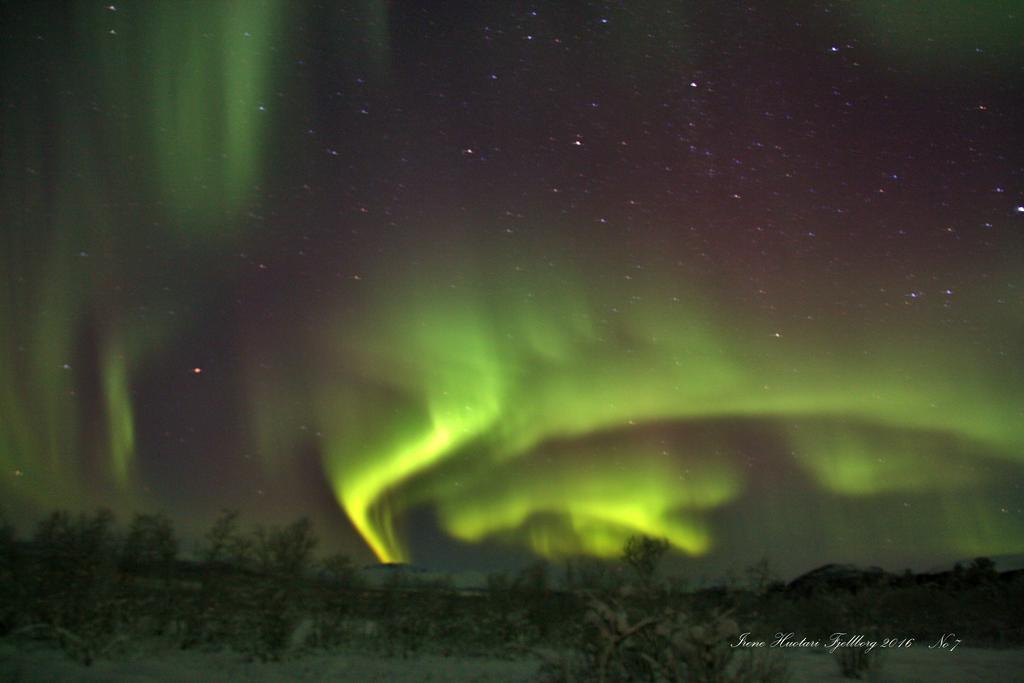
[[486, 280]]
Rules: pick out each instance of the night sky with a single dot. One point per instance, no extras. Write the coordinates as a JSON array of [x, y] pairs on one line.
[[471, 282]]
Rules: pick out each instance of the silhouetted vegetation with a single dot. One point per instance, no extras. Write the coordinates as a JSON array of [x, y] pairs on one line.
[[10, 588], [643, 554], [95, 591]]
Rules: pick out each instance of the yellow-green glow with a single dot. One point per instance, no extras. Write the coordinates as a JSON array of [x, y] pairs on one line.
[[865, 462], [359, 491], [525, 385], [211, 103], [943, 38], [611, 496], [465, 392], [189, 92], [155, 106], [120, 423]]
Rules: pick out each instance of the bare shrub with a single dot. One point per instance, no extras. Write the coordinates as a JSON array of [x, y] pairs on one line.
[[212, 614], [333, 605], [279, 599], [619, 643], [224, 543], [643, 554], [287, 552], [11, 593], [638, 634], [148, 554], [592, 575], [75, 583], [150, 545]]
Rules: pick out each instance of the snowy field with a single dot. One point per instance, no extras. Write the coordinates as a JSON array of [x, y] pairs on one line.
[[43, 665]]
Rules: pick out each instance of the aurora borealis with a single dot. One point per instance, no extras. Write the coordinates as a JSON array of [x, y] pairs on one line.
[[495, 280]]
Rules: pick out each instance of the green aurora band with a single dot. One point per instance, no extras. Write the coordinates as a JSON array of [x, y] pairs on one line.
[[523, 409], [169, 107], [561, 412], [194, 85]]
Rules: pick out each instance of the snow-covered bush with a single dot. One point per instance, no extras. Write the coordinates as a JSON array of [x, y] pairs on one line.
[[75, 583]]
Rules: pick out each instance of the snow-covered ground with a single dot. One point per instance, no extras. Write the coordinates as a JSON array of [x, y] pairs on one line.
[[46, 665]]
